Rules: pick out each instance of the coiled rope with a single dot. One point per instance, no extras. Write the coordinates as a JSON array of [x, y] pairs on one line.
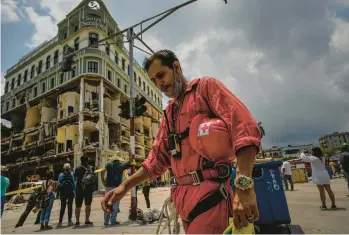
[[169, 213]]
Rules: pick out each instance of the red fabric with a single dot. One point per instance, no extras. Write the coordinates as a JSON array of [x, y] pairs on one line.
[[210, 96]]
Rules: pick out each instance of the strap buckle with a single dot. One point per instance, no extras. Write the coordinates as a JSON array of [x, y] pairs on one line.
[[173, 181], [195, 177], [223, 170], [223, 191]]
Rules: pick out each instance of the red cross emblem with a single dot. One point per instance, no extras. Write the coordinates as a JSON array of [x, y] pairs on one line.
[[204, 129]]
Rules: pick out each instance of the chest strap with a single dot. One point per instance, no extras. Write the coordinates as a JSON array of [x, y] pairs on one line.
[[219, 173], [184, 134]]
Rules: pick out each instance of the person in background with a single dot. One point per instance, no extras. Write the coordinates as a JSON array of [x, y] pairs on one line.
[[84, 190], [344, 159], [287, 174], [114, 169], [48, 189], [333, 168], [146, 191], [30, 206], [5, 182], [320, 176], [66, 188]]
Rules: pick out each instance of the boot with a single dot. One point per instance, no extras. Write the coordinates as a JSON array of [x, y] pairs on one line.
[[47, 227]]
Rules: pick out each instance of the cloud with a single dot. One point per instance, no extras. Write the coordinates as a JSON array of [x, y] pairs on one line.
[[286, 61], [9, 11], [46, 24]]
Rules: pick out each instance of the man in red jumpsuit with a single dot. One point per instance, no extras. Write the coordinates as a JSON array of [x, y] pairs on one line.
[[203, 194]]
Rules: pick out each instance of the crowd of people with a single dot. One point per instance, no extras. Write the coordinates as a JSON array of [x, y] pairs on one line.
[[78, 186]]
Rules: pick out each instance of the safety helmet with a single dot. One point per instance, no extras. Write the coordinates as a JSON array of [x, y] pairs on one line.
[[210, 137]]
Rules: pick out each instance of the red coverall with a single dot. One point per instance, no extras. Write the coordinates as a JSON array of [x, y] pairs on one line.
[[203, 95]]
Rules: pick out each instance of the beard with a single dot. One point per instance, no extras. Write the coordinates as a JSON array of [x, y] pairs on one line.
[[177, 86]]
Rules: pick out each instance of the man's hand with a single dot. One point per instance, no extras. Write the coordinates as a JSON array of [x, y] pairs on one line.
[[245, 207], [244, 202], [112, 197]]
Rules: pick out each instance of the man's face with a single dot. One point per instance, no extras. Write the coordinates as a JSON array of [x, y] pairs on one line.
[[162, 77]]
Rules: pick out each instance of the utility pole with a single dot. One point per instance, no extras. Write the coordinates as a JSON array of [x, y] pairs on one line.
[[130, 39]]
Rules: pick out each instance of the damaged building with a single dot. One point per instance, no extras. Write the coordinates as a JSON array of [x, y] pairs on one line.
[[55, 117]]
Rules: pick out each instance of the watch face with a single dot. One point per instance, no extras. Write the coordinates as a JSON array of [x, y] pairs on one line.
[[243, 182]]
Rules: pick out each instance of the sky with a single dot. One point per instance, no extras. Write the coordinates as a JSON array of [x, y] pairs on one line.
[[286, 60]]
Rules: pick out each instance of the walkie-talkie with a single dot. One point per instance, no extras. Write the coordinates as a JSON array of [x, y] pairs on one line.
[[173, 141]]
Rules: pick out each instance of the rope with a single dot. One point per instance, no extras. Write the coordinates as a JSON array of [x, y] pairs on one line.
[[167, 207]]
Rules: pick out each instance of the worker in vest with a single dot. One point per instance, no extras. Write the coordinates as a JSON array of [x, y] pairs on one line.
[[204, 127]]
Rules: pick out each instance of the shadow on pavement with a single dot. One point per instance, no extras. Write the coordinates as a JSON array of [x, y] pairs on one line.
[[296, 229]]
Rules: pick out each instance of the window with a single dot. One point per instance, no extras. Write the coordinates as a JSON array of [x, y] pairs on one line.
[[128, 69], [65, 49], [93, 38], [125, 88], [7, 106], [35, 92], [52, 83], [76, 28], [55, 57], [32, 72], [152, 95], [76, 44], [25, 75], [13, 102], [148, 89], [48, 62], [73, 72], [65, 35], [143, 86], [40, 67], [109, 75], [139, 81], [92, 67], [123, 63], [61, 78], [135, 77], [107, 49], [119, 82], [19, 79], [6, 87], [116, 58], [43, 87], [13, 84]]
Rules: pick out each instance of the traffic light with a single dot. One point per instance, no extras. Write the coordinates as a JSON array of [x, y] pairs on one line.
[[140, 106], [125, 110], [68, 61]]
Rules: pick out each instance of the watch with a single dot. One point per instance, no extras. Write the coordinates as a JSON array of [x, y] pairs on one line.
[[243, 182]]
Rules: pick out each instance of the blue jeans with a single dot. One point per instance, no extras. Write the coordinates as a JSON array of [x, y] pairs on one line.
[[3, 198], [46, 212], [111, 217]]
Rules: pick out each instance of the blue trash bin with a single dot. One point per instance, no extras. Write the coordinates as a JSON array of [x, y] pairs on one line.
[[271, 199]]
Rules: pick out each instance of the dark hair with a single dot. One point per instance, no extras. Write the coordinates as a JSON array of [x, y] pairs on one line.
[[84, 160], [166, 57], [317, 152], [49, 175]]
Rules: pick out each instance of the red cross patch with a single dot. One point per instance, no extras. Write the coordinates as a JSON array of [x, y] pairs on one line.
[[204, 129]]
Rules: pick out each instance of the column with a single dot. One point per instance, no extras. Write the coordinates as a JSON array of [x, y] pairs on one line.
[[100, 153], [81, 124]]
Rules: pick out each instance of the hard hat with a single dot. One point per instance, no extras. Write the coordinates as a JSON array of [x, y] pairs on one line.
[[210, 137]]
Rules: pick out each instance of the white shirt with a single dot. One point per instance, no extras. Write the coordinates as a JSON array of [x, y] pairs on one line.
[[287, 166], [319, 173]]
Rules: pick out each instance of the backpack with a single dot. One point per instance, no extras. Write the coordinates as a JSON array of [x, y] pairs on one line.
[[89, 178], [67, 185]]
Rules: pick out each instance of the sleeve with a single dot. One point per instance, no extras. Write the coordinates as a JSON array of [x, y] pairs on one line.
[[158, 159], [306, 158], [242, 126], [125, 165], [60, 177]]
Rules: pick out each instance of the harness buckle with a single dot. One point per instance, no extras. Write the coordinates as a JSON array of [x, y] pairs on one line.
[[195, 177], [223, 170], [223, 191]]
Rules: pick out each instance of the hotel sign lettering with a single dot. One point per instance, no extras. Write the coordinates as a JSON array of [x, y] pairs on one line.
[[93, 22]]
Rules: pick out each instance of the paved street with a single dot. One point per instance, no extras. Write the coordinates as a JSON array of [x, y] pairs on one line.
[[303, 203]]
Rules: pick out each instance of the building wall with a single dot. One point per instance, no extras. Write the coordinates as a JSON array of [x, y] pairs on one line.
[[334, 140]]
